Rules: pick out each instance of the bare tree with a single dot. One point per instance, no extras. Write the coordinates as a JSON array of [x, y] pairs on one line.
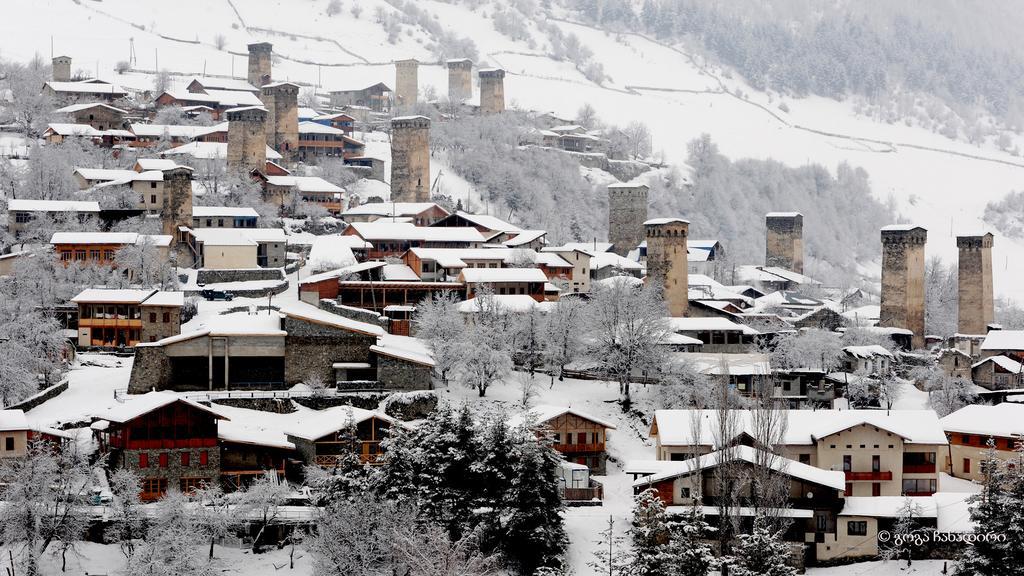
[[127, 518], [563, 338], [260, 503], [625, 323], [439, 322]]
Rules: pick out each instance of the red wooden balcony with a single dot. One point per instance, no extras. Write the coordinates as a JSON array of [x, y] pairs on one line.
[[579, 448], [868, 476], [928, 468]]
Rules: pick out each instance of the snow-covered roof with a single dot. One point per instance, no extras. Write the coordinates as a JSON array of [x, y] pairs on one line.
[[831, 478], [161, 164], [65, 129], [86, 106], [333, 251], [544, 413], [492, 275], [23, 205], [160, 130], [782, 214], [228, 325], [310, 313], [901, 227], [86, 87], [241, 433], [1008, 364], [109, 238], [165, 298], [710, 324], [399, 273], [305, 184], [238, 236], [888, 506], [513, 303], [211, 150], [105, 174], [309, 127], [804, 427], [343, 271], [320, 424], [1004, 340], [136, 406], [1005, 420], [387, 230], [13, 421], [119, 296], [660, 221], [233, 99], [224, 211], [404, 348], [869, 351], [753, 274], [611, 259], [389, 209], [525, 237], [715, 364], [211, 83], [490, 222]]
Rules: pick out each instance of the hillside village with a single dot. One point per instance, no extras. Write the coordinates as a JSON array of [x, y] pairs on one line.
[[254, 321]]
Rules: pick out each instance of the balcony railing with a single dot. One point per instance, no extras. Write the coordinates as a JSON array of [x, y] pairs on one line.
[[868, 476], [576, 448], [919, 468], [583, 494]]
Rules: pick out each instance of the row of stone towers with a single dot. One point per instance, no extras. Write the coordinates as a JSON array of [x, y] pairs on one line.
[[903, 292], [276, 124], [460, 84]]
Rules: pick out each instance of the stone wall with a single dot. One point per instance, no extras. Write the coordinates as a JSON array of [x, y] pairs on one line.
[[260, 63], [151, 370], [397, 374], [460, 80], [312, 349], [282, 104], [247, 139], [406, 82], [903, 281], [360, 314], [209, 276], [410, 405], [40, 397], [174, 471], [158, 330], [364, 400], [272, 405], [627, 211], [784, 241], [410, 159], [492, 91], [975, 309], [176, 210], [667, 263]]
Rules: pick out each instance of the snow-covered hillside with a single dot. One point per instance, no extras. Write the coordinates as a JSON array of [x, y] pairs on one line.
[[934, 181]]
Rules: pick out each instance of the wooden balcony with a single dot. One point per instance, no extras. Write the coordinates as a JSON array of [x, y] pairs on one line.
[[868, 476], [595, 492], [332, 461], [579, 448], [170, 444]]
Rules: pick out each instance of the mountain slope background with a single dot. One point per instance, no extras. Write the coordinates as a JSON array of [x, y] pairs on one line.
[[559, 57]]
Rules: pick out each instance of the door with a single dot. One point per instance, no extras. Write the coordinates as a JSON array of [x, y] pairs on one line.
[[847, 463], [876, 489]]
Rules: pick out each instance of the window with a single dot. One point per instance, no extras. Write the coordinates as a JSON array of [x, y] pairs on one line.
[[186, 458], [22, 217], [189, 485], [157, 486], [849, 489], [152, 185], [805, 459], [152, 198], [847, 463], [163, 460], [152, 317], [822, 522], [143, 460], [876, 463], [918, 486], [167, 317], [967, 465], [857, 528], [684, 492], [204, 458], [9, 443]]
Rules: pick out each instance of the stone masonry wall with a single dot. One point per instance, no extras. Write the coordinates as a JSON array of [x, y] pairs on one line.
[[312, 349], [627, 211], [975, 309], [903, 282], [784, 244], [397, 374]]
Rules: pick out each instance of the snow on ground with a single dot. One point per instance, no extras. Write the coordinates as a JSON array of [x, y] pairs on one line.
[[892, 568], [910, 398], [91, 385]]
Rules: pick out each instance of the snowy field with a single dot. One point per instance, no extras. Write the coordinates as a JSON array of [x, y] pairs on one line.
[[934, 181]]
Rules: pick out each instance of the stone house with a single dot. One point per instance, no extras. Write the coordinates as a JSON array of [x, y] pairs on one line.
[[872, 359], [110, 318], [719, 335], [96, 114], [955, 363], [168, 440], [376, 97], [997, 373], [224, 217], [237, 248], [94, 90], [528, 281], [21, 213], [100, 247], [420, 213]]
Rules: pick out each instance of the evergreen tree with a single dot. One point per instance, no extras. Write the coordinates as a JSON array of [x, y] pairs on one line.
[[688, 554], [612, 557], [993, 511], [761, 553], [650, 534], [533, 532]]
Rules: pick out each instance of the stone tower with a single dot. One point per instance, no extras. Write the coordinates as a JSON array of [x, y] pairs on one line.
[[260, 61], [903, 280], [281, 99], [974, 284], [784, 240], [460, 80], [627, 211], [410, 159], [247, 138], [666, 261], [177, 207], [492, 91], [407, 82], [62, 69]]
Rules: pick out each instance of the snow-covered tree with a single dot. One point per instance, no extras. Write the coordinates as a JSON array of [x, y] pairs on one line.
[[612, 556], [947, 394], [260, 503], [624, 324], [649, 533], [127, 518], [763, 552], [41, 494], [429, 551], [899, 545], [996, 512], [687, 552], [440, 324], [145, 264], [173, 544], [812, 348], [29, 106], [563, 338], [356, 537]]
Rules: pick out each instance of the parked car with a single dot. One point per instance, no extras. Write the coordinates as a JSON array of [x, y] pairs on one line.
[[217, 295]]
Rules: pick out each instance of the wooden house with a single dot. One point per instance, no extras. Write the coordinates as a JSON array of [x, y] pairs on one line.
[[123, 318], [166, 439], [329, 438], [580, 437], [100, 247]]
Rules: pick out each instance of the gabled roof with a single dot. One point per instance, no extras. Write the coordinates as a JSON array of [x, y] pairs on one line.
[[13, 421], [544, 413], [829, 478], [1005, 420], [333, 420], [488, 275], [23, 205], [1004, 340], [1008, 364], [86, 106], [136, 406], [224, 211], [310, 313], [86, 87], [391, 209], [403, 348]]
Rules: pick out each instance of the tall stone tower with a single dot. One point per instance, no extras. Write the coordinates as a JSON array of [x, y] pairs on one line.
[[410, 159], [492, 91], [666, 261], [61, 68], [177, 207], [627, 211], [407, 83], [460, 80], [974, 284], [903, 280], [261, 57], [281, 99], [247, 138], [784, 240]]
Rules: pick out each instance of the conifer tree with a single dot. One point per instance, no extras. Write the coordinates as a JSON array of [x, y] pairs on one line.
[[612, 557], [688, 553], [650, 534], [761, 553], [994, 511]]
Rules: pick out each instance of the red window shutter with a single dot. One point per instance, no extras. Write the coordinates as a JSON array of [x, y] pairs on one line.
[[204, 458], [143, 460], [186, 457], [163, 460]]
